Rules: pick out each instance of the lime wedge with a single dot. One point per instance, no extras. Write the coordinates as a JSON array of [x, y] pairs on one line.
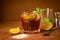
[[30, 17], [14, 30], [26, 17], [47, 25]]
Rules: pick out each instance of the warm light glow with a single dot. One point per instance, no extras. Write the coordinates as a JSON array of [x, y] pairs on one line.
[[20, 36]]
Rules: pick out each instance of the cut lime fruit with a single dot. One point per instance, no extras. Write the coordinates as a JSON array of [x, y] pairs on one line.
[[14, 30], [26, 17], [30, 17], [47, 25]]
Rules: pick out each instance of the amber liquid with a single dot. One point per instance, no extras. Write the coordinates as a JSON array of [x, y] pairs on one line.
[[30, 25]]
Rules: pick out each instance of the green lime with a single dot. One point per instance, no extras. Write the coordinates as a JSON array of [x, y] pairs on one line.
[[30, 17], [26, 17], [14, 30], [47, 25]]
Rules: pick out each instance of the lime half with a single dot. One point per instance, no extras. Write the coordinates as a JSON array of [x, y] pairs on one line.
[[47, 25]]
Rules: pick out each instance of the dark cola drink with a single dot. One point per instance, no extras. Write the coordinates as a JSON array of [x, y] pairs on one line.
[[30, 22]]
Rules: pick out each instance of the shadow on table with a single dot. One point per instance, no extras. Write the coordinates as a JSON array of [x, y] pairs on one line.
[[46, 33]]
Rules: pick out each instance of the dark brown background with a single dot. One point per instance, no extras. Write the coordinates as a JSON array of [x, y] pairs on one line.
[[10, 9]]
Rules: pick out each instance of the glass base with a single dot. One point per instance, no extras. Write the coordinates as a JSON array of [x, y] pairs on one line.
[[32, 32]]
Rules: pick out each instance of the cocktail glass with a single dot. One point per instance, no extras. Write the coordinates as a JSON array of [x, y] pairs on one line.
[[30, 22]]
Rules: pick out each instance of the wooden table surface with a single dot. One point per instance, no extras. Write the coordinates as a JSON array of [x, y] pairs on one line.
[[5, 35]]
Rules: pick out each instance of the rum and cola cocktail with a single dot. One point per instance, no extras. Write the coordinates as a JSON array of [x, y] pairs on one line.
[[30, 22]]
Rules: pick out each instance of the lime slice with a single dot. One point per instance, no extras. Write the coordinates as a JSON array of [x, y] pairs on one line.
[[14, 30], [26, 17], [47, 25], [30, 17]]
